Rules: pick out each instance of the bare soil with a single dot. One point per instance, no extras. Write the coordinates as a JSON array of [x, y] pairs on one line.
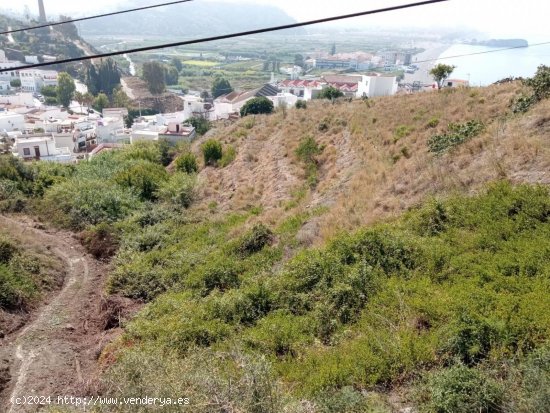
[[56, 352]]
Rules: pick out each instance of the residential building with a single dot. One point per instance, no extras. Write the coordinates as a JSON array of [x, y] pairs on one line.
[[305, 89], [11, 121], [11, 75], [41, 148], [176, 132], [234, 101], [5, 87], [33, 80]]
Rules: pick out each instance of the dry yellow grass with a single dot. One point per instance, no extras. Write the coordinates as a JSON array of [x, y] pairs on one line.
[[375, 161]]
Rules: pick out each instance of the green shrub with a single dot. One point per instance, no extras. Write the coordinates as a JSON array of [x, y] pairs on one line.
[[432, 123], [77, 203], [456, 135], [145, 151], [229, 155], [403, 131], [179, 190], [7, 251], [330, 93], [279, 333], [534, 394], [212, 152], [349, 400], [201, 124], [255, 240], [187, 163], [17, 288], [101, 240], [220, 272], [460, 389], [143, 177], [301, 104], [257, 106]]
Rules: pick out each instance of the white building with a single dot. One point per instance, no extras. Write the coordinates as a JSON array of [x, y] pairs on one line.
[[111, 130], [10, 75], [5, 87], [40, 148], [33, 80], [282, 99], [11, 121]]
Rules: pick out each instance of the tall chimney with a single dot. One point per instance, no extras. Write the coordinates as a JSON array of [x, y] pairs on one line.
[[42, 11]]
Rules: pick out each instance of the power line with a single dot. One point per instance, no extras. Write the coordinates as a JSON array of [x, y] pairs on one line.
[[228, 36], [94, 17], [484, 52]]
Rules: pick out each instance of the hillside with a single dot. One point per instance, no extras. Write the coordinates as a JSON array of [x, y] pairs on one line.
[[357, 256], [189, 19], [376, 163], [59, 41]]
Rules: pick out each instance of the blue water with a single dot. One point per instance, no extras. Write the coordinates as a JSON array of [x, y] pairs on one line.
[[485, 69]]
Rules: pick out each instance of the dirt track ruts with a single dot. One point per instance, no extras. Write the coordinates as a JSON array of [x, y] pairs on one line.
[[55, 353]]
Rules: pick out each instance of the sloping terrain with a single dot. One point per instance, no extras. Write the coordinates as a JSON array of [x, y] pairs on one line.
[[375, 162]]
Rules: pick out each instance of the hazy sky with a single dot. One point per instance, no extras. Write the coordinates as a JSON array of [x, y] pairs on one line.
[[502, 18]]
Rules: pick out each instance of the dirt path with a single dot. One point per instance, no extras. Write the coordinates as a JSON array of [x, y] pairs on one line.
[[55, 353]]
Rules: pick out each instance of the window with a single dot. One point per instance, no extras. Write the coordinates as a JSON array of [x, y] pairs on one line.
[[26, 152]]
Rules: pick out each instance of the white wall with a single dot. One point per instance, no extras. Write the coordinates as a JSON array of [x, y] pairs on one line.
[[10, 121]]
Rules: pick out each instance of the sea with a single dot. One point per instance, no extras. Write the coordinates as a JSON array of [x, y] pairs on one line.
[[484, 69]]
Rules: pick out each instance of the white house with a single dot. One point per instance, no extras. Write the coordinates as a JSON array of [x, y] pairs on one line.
[[5, 87], [11, 75], [33, 80], [11, 121], [176, 132], [281, 99], [381, 86], [40, 148], [111, 130]]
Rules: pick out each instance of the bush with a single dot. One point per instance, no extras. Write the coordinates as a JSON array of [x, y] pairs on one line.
[[212, 152], [7, 251], [460, 389], [457, 134], [330, 93], [187, 163], [432, 123], [143, 177], [301, 104], [255, 240], [201, 124], [178, 190], [257, 106], [229, 155], [78, 203], [220, 272], [101, 241]]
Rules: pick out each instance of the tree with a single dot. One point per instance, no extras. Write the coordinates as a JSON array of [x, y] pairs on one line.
[[49, 91], [79, 97], [200, 123], [177, 64], [15, 83], [171, 75], [256, 106], [101, 102], [333, 49], [104, 78], [120, 99], [212, 151], [220, 86], [299, 60], [330, 93], [153, 74], [65, 89], [441, 72], [88, 99]]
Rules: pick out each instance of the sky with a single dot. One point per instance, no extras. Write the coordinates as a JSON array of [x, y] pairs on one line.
[[502, 18]]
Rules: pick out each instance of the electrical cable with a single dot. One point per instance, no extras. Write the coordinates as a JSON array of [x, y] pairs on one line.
[[227, 36]]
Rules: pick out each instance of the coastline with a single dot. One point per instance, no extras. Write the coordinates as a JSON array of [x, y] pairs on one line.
[[432, 53]]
